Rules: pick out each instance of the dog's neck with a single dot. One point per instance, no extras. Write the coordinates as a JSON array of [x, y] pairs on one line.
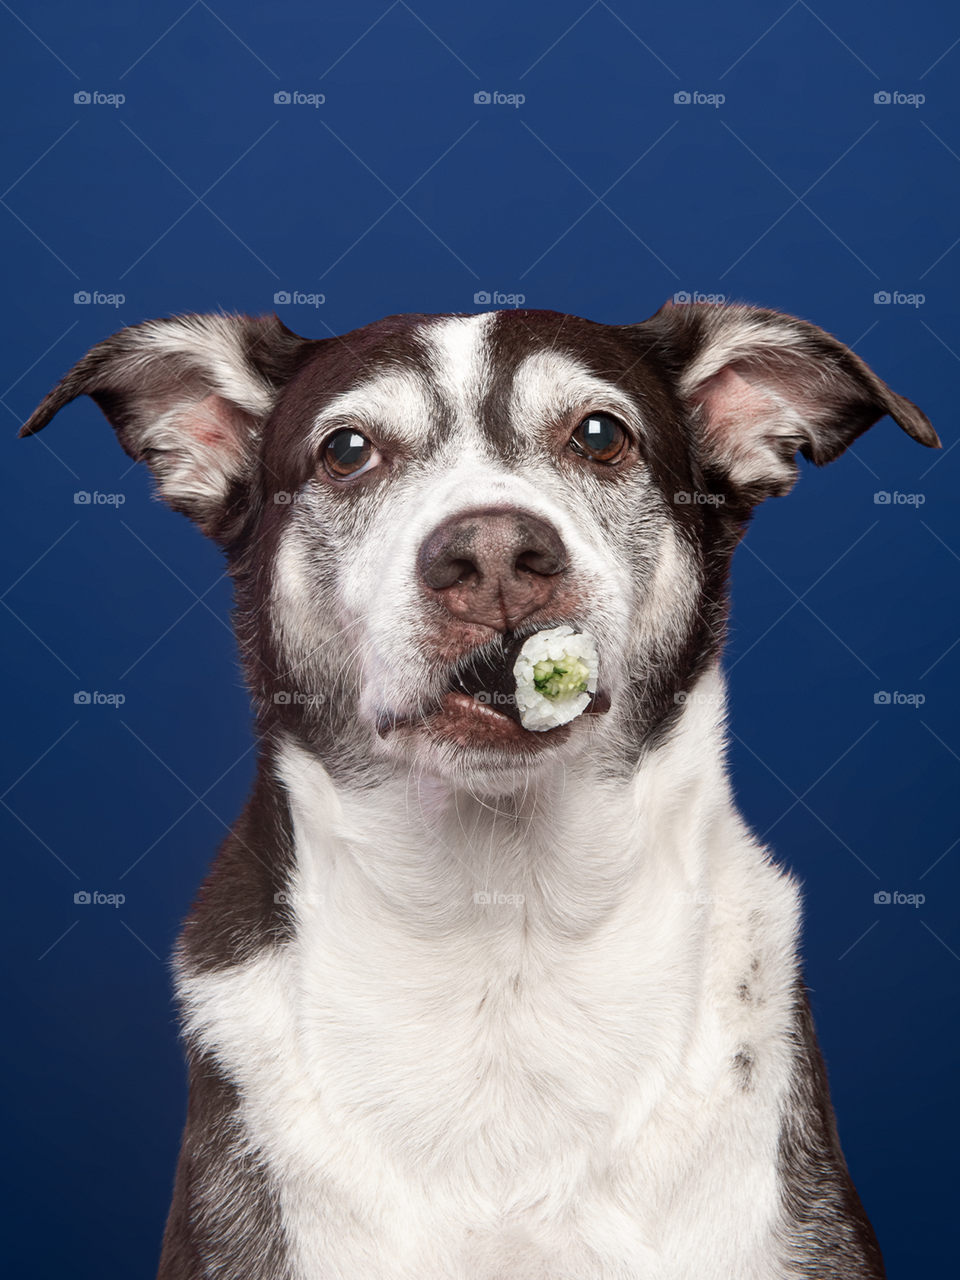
[[557, 854]]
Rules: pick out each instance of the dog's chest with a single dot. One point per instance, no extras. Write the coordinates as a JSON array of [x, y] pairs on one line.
[[482, 1104]]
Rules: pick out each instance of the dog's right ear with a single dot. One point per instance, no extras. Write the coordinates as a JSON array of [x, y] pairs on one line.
[[189, 396], [763, 386]]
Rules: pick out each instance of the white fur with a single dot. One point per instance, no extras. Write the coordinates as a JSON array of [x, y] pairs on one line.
[[213, 345], [496, 1092]]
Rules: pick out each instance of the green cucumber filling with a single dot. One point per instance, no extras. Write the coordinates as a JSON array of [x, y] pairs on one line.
[[561, 679]]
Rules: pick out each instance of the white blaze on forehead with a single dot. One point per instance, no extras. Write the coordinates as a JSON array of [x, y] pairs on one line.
[[405, 401], [549, 383], [459, 357]]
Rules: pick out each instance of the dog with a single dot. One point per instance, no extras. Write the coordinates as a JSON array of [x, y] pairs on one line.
[[464, 1001]]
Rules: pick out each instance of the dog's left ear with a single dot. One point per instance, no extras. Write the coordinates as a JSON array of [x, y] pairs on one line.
[[764, 386], [189, 396]]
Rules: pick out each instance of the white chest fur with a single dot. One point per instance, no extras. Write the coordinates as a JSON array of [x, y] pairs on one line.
[[579, 1078]]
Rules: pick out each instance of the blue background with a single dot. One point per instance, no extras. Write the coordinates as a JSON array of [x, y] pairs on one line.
[[600, 195]]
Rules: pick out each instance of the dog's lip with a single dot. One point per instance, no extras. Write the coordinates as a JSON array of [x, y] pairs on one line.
[[462, 720], [465, 706], [452, 700]]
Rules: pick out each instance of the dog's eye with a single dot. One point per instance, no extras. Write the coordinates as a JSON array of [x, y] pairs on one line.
[[600, 437], [347, 453]]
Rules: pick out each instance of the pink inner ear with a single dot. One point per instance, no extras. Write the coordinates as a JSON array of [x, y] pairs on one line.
[[736, 410], [218, 425]]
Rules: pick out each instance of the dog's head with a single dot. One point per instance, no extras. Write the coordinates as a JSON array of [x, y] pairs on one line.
[[402, 505]]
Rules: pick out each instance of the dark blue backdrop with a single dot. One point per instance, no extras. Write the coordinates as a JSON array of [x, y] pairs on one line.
[[600, 194]]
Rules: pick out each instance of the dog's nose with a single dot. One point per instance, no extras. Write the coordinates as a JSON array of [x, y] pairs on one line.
[[494, 566]]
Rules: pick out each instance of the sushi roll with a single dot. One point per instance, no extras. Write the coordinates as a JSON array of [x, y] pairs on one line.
[[542, 680], [556, 672]]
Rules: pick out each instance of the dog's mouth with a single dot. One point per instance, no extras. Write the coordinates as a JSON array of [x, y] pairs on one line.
[[479, 707]]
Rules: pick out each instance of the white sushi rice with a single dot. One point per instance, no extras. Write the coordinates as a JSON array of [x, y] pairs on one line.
[[556, 673]]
